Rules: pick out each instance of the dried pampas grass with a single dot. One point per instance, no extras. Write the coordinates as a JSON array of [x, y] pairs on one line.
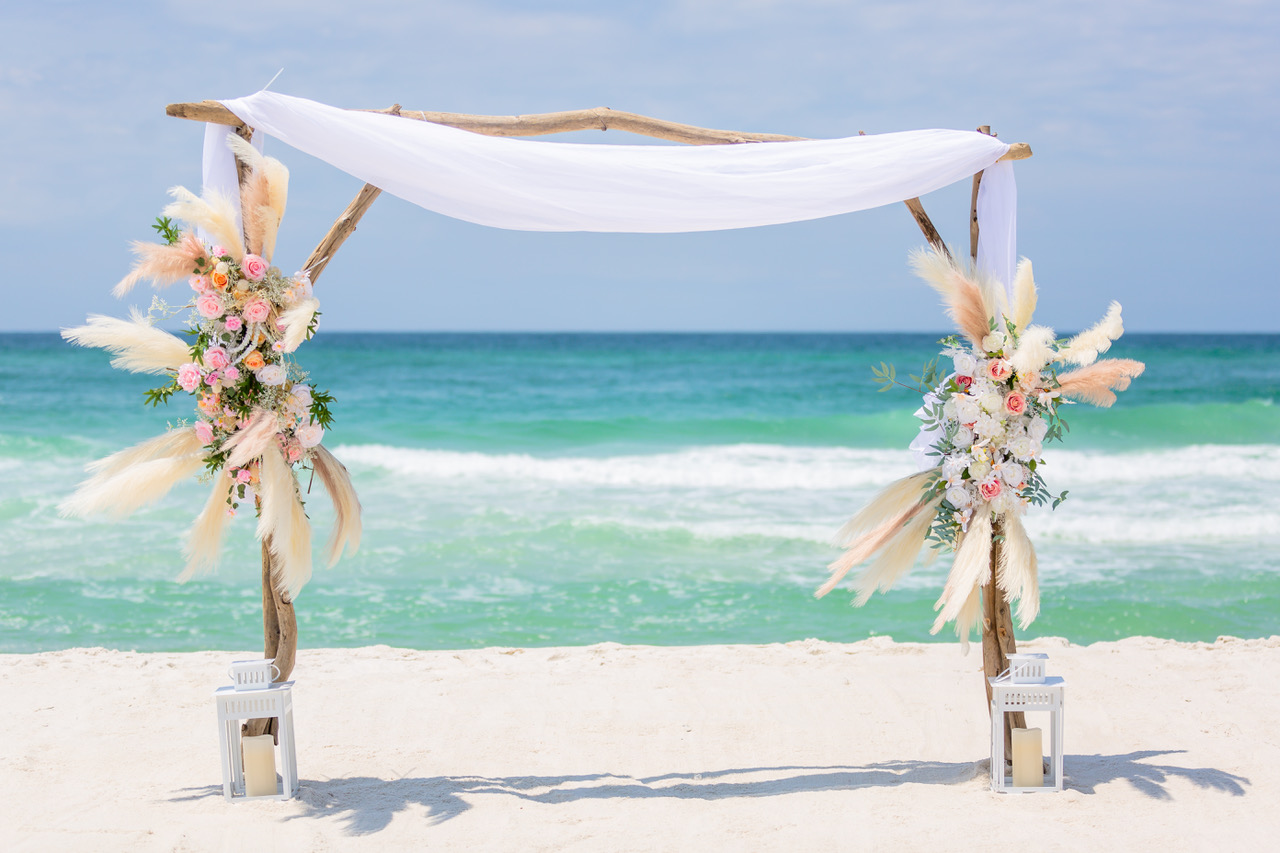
[[1034, 351], [875, 524], [297, 320], [205, 540], [1018, 571], [898, 553], [214, 212], [968, 618], [161, 263], [1085, 347], [1098, 382], [133, 478], [347, 526], [262, 196], [1024, 296], [282, 523], [961, 295], [139, 346], [252, 440], [972, 559]]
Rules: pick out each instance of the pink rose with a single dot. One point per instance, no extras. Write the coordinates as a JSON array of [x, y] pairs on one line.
[[216, 358], [233, 323], [253, 267], [211, 378], [965, 382], [256, 311], [243, 475], [204, 432], [199, 283], [189, 377], [231, 373], [998, 369], [295, 453], [218, 251], [209, 306], [1015, 403], [990, 489]]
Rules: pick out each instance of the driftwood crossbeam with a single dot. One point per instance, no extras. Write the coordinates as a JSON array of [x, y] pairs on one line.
[[279, 623]]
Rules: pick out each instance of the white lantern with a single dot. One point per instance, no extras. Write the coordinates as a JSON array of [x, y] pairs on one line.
[[1026, 688], [248, 764]]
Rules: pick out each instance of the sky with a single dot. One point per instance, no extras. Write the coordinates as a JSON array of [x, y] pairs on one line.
[[1154, 127]]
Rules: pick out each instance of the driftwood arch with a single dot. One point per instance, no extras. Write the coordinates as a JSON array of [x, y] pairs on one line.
[[280, 638]]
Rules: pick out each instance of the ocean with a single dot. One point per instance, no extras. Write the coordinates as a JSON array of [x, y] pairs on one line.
[[565, 489]]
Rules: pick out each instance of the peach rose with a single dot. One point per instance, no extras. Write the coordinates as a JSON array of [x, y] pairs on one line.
[[998, 369], [253, 267], [219, 280], [254, 360], [1015, 403], [256, 311], [990, 489]]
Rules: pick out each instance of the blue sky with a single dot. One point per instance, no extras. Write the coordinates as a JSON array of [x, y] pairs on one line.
[[1154, 127]]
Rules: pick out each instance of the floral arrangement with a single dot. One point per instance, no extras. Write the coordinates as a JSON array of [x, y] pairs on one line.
[[257, 418], [985, 424]]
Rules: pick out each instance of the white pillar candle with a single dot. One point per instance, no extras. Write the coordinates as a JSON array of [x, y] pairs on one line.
[[1028, 759], [259, 765]]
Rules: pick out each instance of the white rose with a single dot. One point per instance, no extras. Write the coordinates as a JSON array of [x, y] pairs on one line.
[[271, 374], [1021, 448], [309, 435], [967, 410], [1013, 473], [964, 437], [1037, 429], [949, 409], [990, 401], [965, 364], [959, 497], [979, 469], [993, 342]]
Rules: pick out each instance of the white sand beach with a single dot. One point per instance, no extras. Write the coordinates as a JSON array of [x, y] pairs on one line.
[[803, 746]]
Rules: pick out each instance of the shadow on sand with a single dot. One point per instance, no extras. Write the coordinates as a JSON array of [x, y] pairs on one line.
[[367, 805]]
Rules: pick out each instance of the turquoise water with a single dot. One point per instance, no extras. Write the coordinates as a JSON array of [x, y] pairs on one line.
[[665, 489]]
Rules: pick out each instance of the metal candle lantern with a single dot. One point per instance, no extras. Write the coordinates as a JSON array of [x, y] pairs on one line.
[[251, 696], [1025, 687]]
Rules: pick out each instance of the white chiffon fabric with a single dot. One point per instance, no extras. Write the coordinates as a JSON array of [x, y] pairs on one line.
[[532, 185]]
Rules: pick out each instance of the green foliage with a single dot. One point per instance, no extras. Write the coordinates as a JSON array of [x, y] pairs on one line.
[[320, 413], [165, 228], [156, 396]]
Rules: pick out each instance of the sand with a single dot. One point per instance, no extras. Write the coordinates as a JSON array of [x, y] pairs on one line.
[[805, 746]]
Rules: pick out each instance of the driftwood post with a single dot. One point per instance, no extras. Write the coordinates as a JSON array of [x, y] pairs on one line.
[[997, 620]]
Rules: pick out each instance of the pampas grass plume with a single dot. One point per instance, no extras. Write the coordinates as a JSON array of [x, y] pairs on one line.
[[1035, 350], [139, 346], [1024, 296], [1018, 571], [1085, 347], [1096, 383], [214, 213], [252, 440], [898, 554], [347, 526], [282, 522], [972, 559], [297, 320], [205, 540], [127, 488], [961, 295]]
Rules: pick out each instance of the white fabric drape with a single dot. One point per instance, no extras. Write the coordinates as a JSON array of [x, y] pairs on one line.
[[218, 168], [554, 186], [998, 224]]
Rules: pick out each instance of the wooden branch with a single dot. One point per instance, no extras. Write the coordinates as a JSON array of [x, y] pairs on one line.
[[542, 124], [926, 226], [997, 636], [340, 231], [973, 204]]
